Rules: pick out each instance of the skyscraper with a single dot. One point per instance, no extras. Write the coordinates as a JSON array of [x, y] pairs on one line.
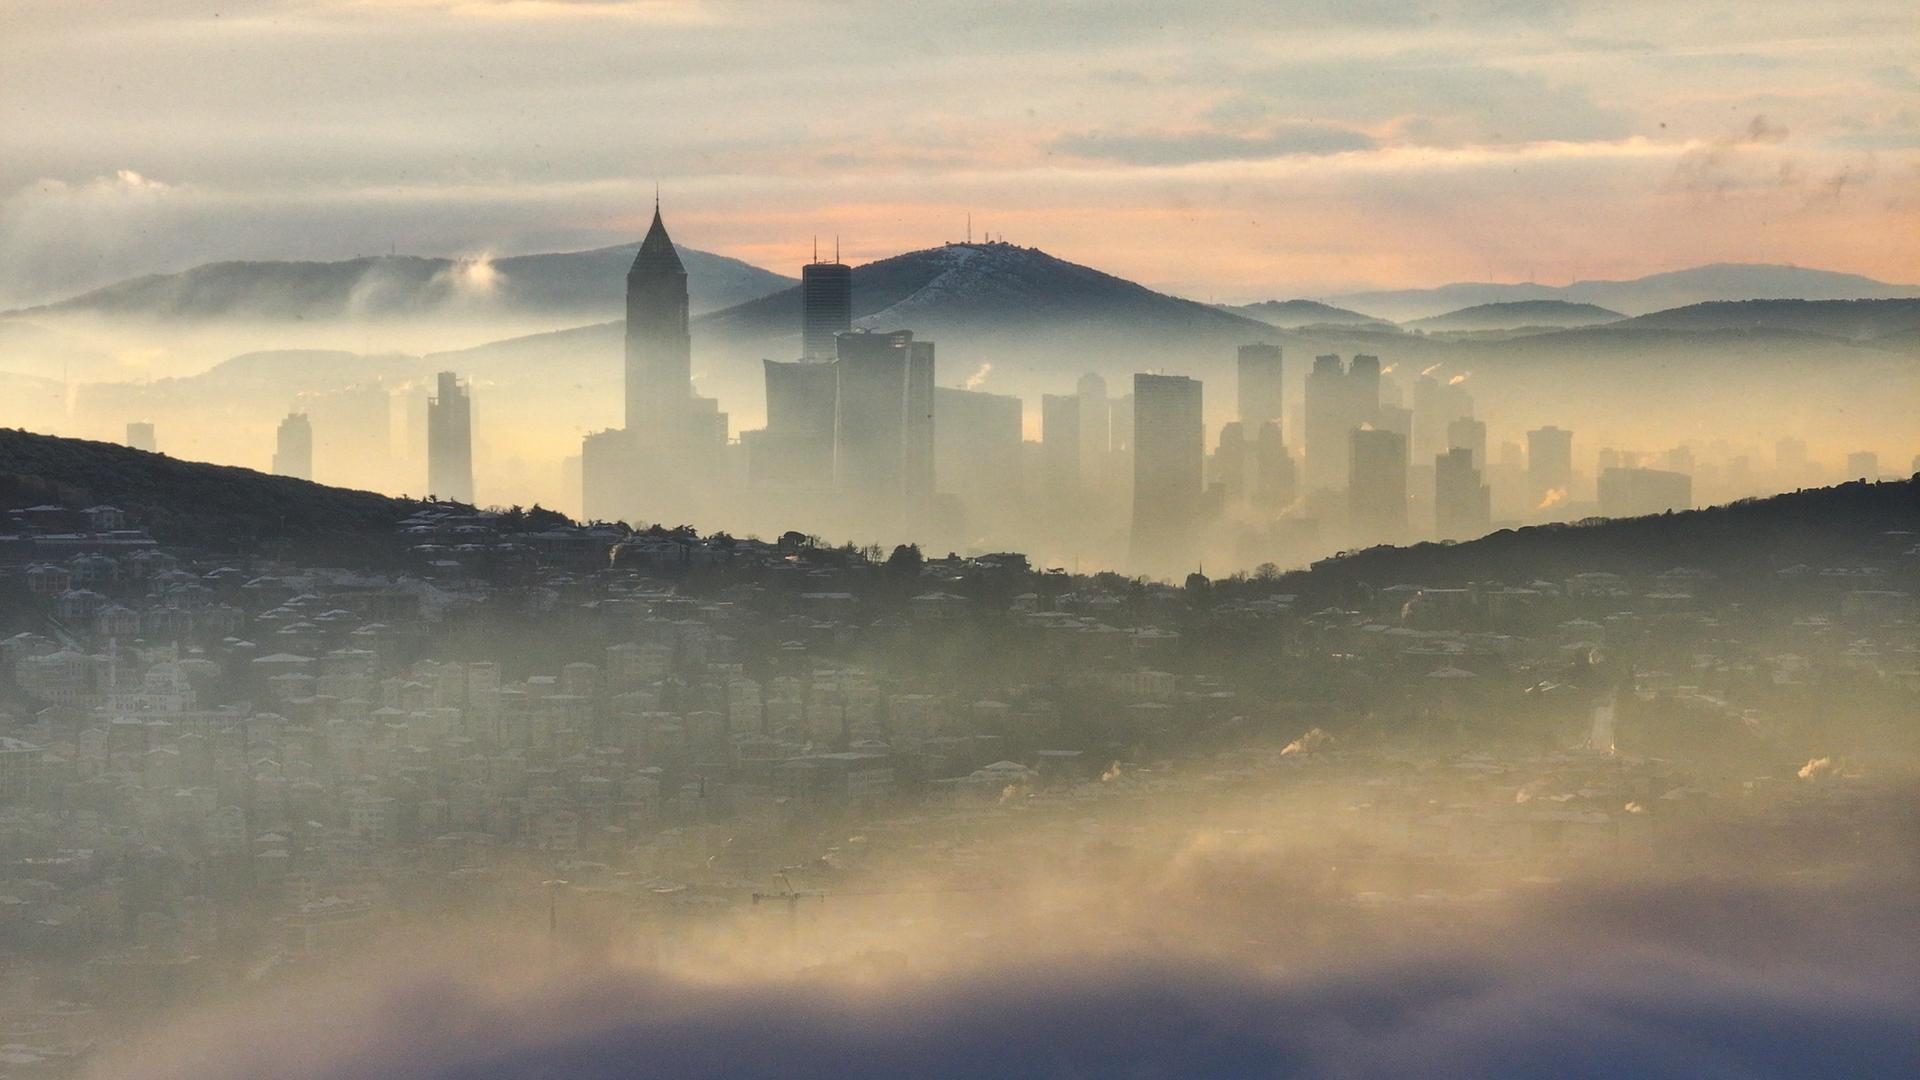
[[1096, 438], [796, 447], [1462, 505], [977, 450], [1863, 465], [883, 420], [659, 344], [450, 440], [1274, 485], [826, 307], [1466, 433], [1377, 484], [1436, 405], [1169, 456], [1258, 386], [140, 436], [1060, 449], [1549, 466], [293, 447], [1340, 399]]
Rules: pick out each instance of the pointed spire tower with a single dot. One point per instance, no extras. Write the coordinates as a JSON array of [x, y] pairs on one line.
[[659, 348]]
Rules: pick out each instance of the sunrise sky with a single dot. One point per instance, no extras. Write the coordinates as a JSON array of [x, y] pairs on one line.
[[1233, 152]]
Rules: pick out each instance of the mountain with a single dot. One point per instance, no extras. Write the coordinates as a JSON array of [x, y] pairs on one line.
[[1291, 314], [1639, 296], [965, 290], [580, 284], [1851, 320], [1516, 314], [1746, 541]]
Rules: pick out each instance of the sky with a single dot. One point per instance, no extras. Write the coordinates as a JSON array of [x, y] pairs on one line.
[[1225, 151]]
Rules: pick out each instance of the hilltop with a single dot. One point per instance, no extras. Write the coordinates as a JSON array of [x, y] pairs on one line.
[[1638, 296], [576, 284], [1848, 320], [1293, 314], [187, 502], [1517, 314], [967, 290], [1749, 539]]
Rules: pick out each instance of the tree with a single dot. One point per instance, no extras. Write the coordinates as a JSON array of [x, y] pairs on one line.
[[906, 560]]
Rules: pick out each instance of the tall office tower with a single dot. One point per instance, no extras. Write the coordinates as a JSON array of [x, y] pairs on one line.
[[796, 447], [1549, 466], [1257, 386], [1467, 433], [659, 345], [883, 421], [976, 450], [606, 466], [1630, 492], [1096, 437], [1060, 449], [1363, 391], [450, 440], [826, 307], [1861, 464], [1462, 505], [1326, 424], [1120, 425], [1436, 405], [353, 436], [140, 436], [1232, 465], [919, 475], [1377, 484], [293, 447], [1274, 482], [1395, 419], [1169, 458]]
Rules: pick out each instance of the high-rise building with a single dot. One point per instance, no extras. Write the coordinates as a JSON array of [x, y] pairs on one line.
[[1466, 433], [1232, 464], [1096, 437], [659, 345], [293, 447], [1060, 448], [1326, 423], [1169, 460], [796, 447], [826, 307], [1549, 466], [1258, 385], [1340, 399], [1462, 505], [1633, 492], [1377, 484], [140, 436], [671, 452], [883, 420], [976, 449], [1274, 482], [1436, 406], [1861, 465], [450, 440]]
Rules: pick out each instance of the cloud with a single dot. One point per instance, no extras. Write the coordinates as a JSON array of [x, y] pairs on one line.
[[1219, 959], [1176, 148]]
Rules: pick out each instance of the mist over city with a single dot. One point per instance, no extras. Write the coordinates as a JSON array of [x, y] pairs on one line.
[[684, 538]]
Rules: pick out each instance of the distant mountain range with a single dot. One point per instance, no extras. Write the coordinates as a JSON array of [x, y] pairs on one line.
[[1292, 314], [1655, 292], [580, 284], [1516, 314]]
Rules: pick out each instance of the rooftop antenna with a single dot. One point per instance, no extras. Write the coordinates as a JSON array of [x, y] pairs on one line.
[[836, 248], [656, 196], [969, 226], [816, 247]]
